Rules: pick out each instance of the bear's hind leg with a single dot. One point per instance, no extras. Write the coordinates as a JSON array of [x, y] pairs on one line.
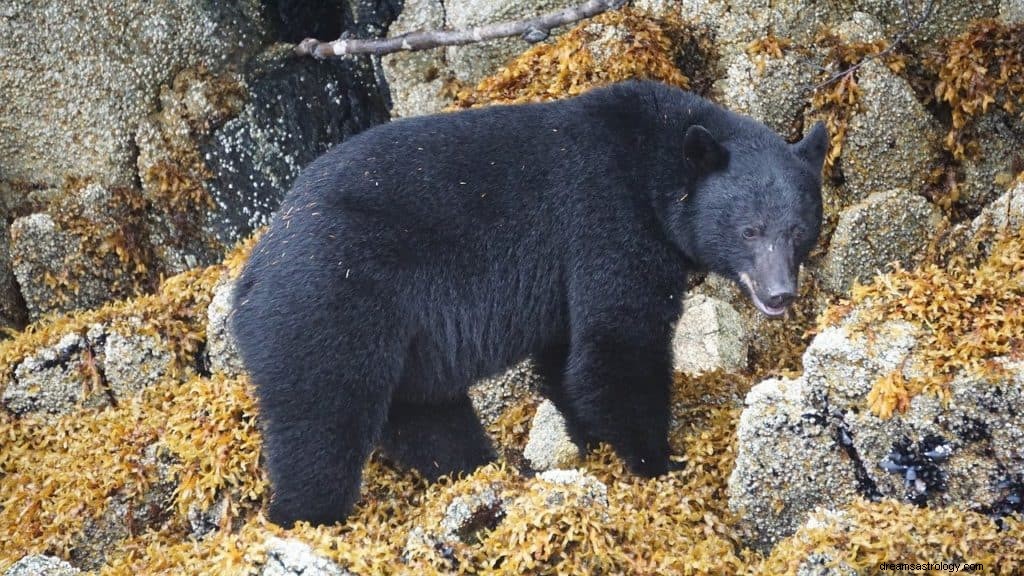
[[316, 446], [436, 439]]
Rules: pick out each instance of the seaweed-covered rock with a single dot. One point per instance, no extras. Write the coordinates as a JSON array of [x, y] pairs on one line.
[[221, 351], [772, 90], [295, 558], [96, 96], [934, 19], [131, 509], [416, 79], [41, 251], [709, 336], [892, 226], [737, 23], [891, 139], [39, 565], [549, 446], [105, 364]]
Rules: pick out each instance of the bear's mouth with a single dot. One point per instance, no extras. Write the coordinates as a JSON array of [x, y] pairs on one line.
[[765, 309]]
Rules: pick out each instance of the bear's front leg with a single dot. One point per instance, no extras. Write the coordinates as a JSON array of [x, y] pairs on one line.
[[618, 386]]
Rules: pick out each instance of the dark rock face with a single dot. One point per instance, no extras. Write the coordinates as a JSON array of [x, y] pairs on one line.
[[297, 109]]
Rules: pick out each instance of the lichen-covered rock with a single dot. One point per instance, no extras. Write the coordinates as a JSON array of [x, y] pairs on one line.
[[221, 351], [205, 521], [295, 558], [469, 514], [709, 336], [491, 396], [769, 89], [1000, 140], [416, 79], [96, 96], [55, 380], [891, 139], [891, 226], [1006, 213], [549, 446], [737, 23], [39, 565], [813, 441]]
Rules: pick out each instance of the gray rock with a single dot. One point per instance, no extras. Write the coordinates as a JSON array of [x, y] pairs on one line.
[[890, 142], [1006, 213], [1000, 139], [892, 226], [39, 565], [221, 350], [812, 441], [53, 381], [100, 70], [295, 558], [709, 336], [416, 79], [549, 446], [860, 27], [1011, 11], [491, 396], [738, 22], [947, 17], [554, 484], [467, 515], [130, 362], [785, 447], [771, 90], [471, 63]]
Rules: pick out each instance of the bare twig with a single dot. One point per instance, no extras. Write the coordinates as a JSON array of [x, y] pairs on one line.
[[532, 30], [912, 27]]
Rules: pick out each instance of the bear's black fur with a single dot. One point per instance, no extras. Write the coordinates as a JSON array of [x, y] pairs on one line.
[[427, 253]]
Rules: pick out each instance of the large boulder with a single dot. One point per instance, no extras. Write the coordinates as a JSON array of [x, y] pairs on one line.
[[891, 139], [100, 70], [887, 227]]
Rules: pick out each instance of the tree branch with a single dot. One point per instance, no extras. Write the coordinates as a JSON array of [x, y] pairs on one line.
[[532, 30]]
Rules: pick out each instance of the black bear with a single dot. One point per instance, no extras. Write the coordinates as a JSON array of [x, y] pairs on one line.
[[424, 254]]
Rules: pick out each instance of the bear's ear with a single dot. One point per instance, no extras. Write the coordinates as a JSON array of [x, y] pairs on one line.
[[814, 145], [703, 150]]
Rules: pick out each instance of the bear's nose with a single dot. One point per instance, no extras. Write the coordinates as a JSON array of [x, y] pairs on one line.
[[781, 299]]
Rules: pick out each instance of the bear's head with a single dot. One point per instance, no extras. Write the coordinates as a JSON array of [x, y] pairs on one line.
[[753, 213]]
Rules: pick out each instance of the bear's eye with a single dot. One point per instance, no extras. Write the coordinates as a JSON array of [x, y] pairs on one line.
[[795, 232], [750, 233]]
